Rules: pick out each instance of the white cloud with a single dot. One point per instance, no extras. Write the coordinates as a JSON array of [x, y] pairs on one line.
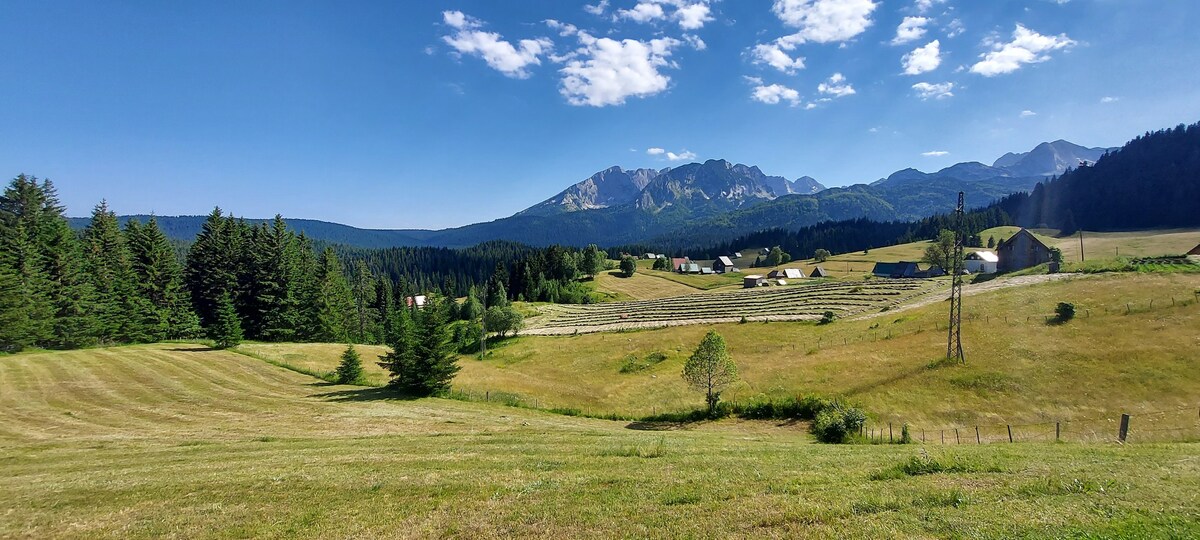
[[692, 16], [689, 14], [955, 28], [935, 153], [643, 12], [922, 59], [1026, 47], [605, 71], [597, 9], [501, 55], [910, 29], [836, 86], [695, 42], [564, 29], [773, 55], [1027, 113], [825, 21], [670, 156], [924, 5], [934, 90], [1109, 99], [772, 94]]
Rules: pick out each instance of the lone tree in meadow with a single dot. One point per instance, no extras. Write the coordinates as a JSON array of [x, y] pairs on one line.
[[592, 261], [226, 332], [941, 252], [628, 266], [822, 255], [350, 371], [710, 369]]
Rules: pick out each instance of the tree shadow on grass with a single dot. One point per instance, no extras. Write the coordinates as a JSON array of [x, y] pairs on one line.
[[382, 393], [197, 348], [656, 426]]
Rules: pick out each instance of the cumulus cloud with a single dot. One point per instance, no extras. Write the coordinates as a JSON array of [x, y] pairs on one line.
[[935, 153], [1109, 99], [934, 90], [1027, 113], [922, 59], [564, 29], [955, 28], [1026, 47], [695, 42], [605, 71], [925, 5], [512, 61], [836, 86], [643, 12], [910, 29], [825, 21], [689, 14], [772, 54], [670, 156], [596, 9], [773, 94]]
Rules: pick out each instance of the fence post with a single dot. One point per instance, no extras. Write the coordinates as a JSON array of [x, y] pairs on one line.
[[1057, 431], [957, 439], [1124, 428], [487, 395], [1010, 439], [922, 435], [977, 441], [890, 439], [943, 436]]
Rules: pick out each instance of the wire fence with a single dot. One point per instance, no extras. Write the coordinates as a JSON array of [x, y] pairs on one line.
[[1168, 425]]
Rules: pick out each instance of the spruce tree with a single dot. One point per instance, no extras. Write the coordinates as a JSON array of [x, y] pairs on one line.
[[363, 290], [226, 331], [399, 360], [122, 315], [306, 293], [334, 302], [14, 319], [350, 371], [71, 294], [275, 302], [159, 280], [433, 358], [210, 271], [24, 213]]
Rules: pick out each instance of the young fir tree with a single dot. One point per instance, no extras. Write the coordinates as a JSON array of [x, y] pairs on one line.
[[122, 314], [433, 357], [350, 371], [226, 330], [71, 295], [334, 307], [399, 360], [14, 320], [305, 289]]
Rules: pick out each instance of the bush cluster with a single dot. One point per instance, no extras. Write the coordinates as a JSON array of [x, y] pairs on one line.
[[838, 422]]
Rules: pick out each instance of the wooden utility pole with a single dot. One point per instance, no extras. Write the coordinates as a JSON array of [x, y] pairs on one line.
[[1081, 257]]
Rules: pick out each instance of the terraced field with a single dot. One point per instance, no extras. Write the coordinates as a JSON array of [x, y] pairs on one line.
[[799, 302]]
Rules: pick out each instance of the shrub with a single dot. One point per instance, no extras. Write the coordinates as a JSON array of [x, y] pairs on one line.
[[905, 437], [827, 317], [1065, 311], [837, 423], [350, 371]]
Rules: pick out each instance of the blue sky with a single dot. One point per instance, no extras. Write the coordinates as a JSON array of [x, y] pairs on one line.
[[438, 114]]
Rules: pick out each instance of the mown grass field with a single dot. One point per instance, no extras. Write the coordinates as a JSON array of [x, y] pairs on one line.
[[640, 286], [180, 441]]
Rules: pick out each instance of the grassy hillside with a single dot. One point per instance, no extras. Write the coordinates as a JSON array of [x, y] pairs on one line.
[[1109, 245], [1021, 369], [180, 441]]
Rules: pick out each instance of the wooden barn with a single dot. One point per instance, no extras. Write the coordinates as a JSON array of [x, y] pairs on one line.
[[678, 262], [1022, 250], [818, 272], [722, 265], [786, 273], [689, 268], [752, 281], [1195, 250], [902, 269]]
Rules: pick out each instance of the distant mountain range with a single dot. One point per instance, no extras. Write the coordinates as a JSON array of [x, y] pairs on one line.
[[711, 201]]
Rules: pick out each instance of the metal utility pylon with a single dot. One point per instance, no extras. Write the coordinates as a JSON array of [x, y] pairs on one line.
[[954, 350]]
